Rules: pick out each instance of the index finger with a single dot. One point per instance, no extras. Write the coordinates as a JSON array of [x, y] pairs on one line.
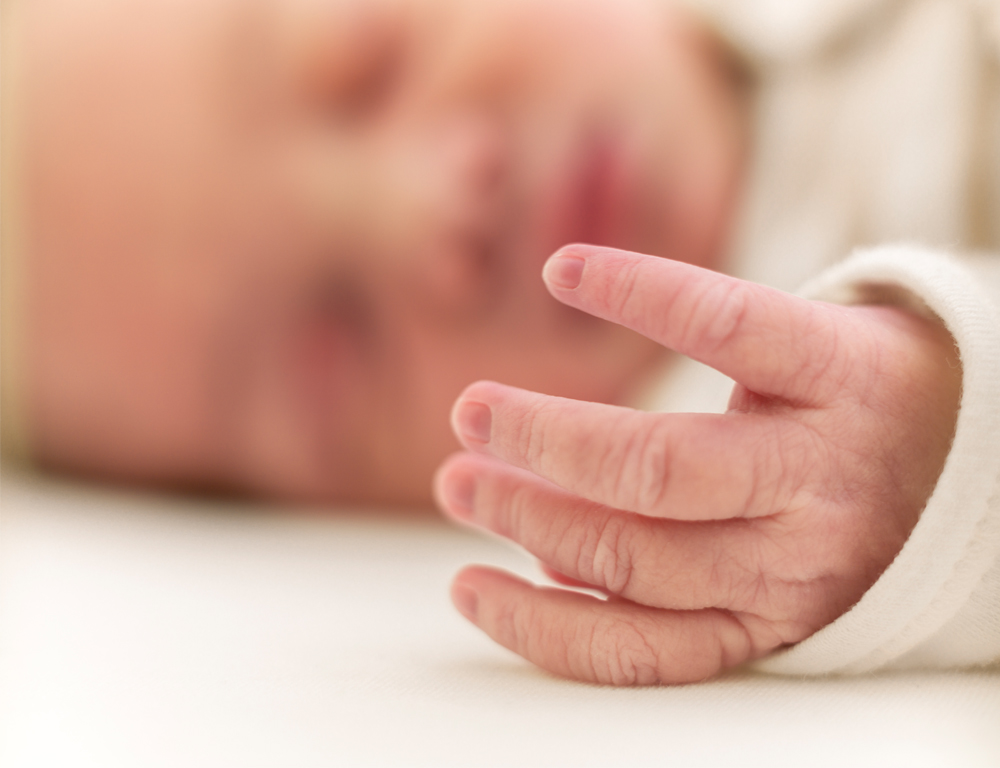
[[770, 341]]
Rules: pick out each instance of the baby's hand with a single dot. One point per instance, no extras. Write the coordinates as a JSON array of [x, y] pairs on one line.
[[718, 538]]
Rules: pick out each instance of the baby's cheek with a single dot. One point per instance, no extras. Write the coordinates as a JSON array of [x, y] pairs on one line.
[[130, 403]]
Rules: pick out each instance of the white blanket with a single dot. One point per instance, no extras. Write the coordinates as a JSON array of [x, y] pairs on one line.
[[143, 630]]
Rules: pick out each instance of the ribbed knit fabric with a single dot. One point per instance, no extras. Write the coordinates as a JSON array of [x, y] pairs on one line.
[[938, 603], [878, 121]]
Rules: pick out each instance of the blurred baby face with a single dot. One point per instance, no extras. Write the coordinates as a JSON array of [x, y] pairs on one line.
[[271, 240]]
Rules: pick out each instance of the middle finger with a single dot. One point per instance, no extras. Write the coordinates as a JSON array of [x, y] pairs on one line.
[[659, 563]]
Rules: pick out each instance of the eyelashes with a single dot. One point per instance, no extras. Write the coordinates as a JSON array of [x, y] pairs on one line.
[[356, 63], [372, 83]]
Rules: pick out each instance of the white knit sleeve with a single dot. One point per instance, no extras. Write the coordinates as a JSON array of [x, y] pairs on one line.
[[938, 603], [778, 30]]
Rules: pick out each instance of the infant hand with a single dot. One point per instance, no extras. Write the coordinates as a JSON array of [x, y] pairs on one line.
[[717, 538]]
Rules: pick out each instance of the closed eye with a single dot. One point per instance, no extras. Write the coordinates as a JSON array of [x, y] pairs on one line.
[[363, 66]]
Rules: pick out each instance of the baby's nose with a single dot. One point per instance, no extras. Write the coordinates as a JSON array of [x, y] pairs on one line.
[[417, 204], [443, 209], [447, 180]]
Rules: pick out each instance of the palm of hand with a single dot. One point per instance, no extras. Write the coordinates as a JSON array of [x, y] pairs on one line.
[[718, 538]]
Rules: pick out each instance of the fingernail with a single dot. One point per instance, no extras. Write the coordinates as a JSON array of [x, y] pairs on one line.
[[459, 494], [474, 422], [564, 271], [466, 599]]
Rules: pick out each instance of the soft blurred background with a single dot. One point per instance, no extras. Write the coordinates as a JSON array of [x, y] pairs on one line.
[[252, 251], [148, 630]]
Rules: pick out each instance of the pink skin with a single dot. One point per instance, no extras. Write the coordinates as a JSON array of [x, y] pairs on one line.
[[718, 538], [268, 243]]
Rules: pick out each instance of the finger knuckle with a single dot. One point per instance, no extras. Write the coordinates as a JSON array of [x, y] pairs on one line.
[[607, 555], [511, 514], [623, 291], [506, 625], [654, 460], [513, 624], [621, 654], [612, 476], [717, 315], [533, 437]]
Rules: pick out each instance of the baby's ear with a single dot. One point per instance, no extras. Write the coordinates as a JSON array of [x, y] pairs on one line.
[[342, 58]]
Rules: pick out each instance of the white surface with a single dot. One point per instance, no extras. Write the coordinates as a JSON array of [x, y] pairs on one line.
[[138, 630]]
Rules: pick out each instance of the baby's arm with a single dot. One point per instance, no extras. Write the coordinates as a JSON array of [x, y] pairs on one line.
[[720, 538]]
